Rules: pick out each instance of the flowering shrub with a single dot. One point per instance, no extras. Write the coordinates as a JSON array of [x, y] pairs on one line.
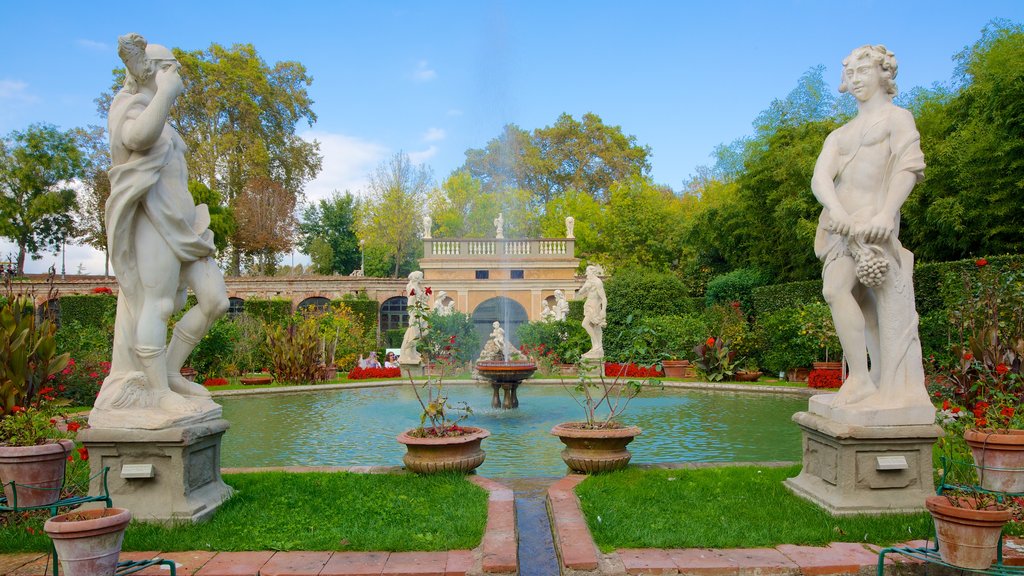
[[545, 358], [79, 383], [825, 379], [102, 290], [631, 370], [216, 382], [358, 373]]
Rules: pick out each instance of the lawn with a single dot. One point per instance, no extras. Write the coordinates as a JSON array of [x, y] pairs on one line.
[[311, 511]]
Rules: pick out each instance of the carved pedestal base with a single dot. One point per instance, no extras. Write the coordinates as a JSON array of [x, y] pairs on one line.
[[161, 475], [864, 470]]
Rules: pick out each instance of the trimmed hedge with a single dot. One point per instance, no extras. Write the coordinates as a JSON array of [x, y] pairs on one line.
[[735, 286], [88, 309], [272, 311], [393, 337], [939, 285], [365, 309], [770, 299]]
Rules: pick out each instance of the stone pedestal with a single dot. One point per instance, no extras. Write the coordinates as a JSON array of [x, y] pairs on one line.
[[593, 367], [161, 475], [849, 469], [416, 370]]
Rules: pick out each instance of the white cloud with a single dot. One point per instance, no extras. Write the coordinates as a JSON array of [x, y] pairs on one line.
[[424, 73], [15, 90], [434, 135], [94, 45], [421, 156], [347, 164]]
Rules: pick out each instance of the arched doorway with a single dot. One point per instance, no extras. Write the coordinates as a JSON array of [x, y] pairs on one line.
[[318, 303], [510, 313], [394, 315]]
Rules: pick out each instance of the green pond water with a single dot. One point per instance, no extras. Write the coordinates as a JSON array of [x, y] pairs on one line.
[[358, 428]]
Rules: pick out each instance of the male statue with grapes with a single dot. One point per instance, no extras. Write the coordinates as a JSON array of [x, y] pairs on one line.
[[865, 172]]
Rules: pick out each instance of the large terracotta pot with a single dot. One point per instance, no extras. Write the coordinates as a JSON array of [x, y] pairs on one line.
[[37, 470], [88, 542], [747, 376], [967, 538], [589, 450], [444, 454], [999, 458], [678, 369]]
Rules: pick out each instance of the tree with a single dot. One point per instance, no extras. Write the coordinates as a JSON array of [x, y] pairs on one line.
[[90, 219], [642, 225], [222, 220], [37, 167], [328, 234], [238, 117], [460, 208], [389, 219], [265, 214]]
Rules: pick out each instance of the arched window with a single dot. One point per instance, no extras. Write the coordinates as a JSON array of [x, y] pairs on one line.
[[315, 302], [235, 307], [394, 313]]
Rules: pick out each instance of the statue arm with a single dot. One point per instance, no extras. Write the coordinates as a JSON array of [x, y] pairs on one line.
[[142, 132], [823, 185]]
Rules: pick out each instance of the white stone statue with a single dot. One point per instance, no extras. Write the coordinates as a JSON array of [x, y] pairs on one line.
[[866, 171], [547, 313], [443, 305], [570, 227], [427, 224], [561, 307], [160, 245], [499, 226], [594, 312], [416, 305], [496, 348]]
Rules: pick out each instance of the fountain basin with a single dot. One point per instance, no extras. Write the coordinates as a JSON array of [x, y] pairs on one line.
[[505, 376]]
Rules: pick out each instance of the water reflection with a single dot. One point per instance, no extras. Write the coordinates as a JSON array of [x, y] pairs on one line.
[[358, 427]]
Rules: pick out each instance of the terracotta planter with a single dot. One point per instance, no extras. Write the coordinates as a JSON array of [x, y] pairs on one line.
[[88, 542], [446, 454], [678, 369], [999, 458], [746, 376], [590, 451], [967, 538], [797, 374], [828, 365], [37, 470], [256, 380]]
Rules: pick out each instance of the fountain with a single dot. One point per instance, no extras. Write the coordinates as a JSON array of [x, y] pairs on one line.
[[504, 367]]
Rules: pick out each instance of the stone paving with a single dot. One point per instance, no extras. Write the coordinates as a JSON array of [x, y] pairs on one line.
[[577, 555]]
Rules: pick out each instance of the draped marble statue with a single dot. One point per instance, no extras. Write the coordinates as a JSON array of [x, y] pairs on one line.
[[594, 312], [160, 245], [417, 306], [865, 172]]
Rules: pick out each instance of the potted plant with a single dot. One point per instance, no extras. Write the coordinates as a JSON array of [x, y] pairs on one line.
[[749, 372], [967, 527], [88, 542], [33, 452], [439, 443]]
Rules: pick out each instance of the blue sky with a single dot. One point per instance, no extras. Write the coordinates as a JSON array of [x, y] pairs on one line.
[[433, 79]]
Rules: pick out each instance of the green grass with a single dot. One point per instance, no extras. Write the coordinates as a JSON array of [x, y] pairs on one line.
[[728, 507], [312, 511]]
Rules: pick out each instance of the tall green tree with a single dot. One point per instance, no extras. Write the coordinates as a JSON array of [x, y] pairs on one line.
[[238, 116], [460, 208], [328, 235], [391, 215], [222, 220], [37, 167], [642, 226]]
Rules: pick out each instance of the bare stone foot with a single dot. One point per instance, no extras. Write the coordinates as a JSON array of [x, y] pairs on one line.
[[173, 402], [853, 390], [185, 387]]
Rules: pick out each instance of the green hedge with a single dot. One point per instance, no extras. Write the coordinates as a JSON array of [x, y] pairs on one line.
[[393, 337], [365, 309], [88, 309], [735, 286], [270, 311], [769, 299], [575, 313], [939, 285]]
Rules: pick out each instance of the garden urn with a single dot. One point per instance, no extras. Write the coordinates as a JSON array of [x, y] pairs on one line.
[[37, 472]]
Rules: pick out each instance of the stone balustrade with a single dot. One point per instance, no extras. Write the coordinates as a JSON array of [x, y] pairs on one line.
[[473, 248]]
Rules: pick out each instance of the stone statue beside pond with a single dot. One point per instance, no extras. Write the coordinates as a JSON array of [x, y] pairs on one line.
[[160, 245], [594, 312], [416, 304], [865, 172]]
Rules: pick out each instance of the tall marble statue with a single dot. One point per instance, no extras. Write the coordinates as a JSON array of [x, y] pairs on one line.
[[865, 172], [443, 305], [417, 305], [561, 308], [570, 227], [594, 312], [160, 245], [427, 224], [499, 226]]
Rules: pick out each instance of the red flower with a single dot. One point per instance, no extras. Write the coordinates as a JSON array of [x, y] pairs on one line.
[[102, 290], [412, 292], [981, 422], [15, 409], [955, 410], [711, 341], [980, 262], [1006, 412], [83, 453], [93, 375], [451, 339], [968, 356], [428, 291], [73, 426], [1002, 369], [945, 405]]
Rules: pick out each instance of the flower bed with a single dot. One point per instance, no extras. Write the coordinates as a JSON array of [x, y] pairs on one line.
[[358, 373], [216, 382], [825, 379], [631, 370]]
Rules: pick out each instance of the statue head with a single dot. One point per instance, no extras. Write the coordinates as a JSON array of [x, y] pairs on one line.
[[141, 60], [559, 294], [415, 276], [881, 57]]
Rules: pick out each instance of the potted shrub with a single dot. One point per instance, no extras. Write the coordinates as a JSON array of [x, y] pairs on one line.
[[88, 542], [33, 452], [967, 527], [439, 443], [749, 372]]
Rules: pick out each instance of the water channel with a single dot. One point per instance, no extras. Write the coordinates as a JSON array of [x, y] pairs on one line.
[[358, 428]]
